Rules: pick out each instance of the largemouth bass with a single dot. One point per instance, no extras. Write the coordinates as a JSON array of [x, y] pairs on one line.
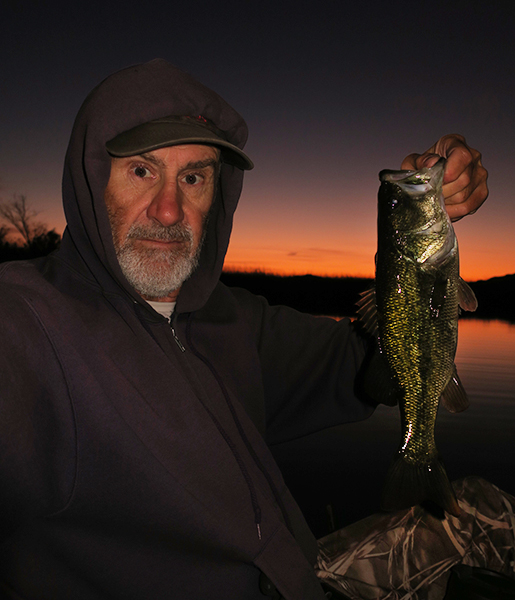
[[414, 313]]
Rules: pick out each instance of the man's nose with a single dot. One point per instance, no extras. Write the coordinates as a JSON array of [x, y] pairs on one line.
[[166, 205]]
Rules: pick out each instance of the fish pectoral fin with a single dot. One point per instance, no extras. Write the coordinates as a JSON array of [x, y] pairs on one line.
[[409, 485], [466, 297], [375, 380], [367, 311], [454, 397]]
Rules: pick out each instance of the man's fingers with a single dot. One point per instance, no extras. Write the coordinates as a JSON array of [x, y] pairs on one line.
[[410, 162], [414, 162], [465, 179], [466, 202]]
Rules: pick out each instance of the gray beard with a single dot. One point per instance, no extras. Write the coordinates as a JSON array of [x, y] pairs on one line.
[[154, 272]]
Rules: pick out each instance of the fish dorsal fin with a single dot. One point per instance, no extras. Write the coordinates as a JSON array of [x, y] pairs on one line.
[[367, 311], [466, 297], [454, 397]]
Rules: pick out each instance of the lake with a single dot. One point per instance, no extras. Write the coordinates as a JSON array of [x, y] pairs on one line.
[[345, 466]]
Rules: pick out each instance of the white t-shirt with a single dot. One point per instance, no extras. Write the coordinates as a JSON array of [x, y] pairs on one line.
[[163, 308]]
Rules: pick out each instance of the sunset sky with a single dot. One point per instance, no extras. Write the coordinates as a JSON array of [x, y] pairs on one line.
[[332, 91]]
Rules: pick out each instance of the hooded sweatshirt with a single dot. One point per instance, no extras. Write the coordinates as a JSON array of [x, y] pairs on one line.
[[134, 452]]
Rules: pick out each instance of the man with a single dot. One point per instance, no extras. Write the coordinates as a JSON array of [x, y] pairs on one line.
[[158, 204], [139, 394]]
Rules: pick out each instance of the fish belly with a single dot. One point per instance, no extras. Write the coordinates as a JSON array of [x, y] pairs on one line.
[[418, 336]]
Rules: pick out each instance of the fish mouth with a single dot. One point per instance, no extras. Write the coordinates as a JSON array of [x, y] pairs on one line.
[[416, 185], [420, 181]]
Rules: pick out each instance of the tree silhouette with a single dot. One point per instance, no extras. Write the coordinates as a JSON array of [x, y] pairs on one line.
[[31, 237], [21, 218]]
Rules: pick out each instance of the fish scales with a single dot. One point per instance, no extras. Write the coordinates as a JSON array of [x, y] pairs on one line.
[[417, 296], [419, 345]]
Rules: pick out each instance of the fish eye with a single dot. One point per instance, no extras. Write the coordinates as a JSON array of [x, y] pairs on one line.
[[394, 203]]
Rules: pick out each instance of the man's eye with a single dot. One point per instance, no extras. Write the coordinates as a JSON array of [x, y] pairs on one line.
[[141, 172], [192, 178]]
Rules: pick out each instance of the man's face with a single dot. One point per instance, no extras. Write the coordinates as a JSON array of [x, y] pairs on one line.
[[158, 203]]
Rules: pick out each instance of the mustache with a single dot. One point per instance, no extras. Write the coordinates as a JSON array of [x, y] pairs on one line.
[[174, 233]]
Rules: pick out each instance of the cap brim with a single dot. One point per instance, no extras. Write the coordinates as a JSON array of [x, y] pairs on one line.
[[160, 134]]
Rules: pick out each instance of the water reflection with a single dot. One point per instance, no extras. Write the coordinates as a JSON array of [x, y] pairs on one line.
[[346, 465], [486, 359], [480, 440]]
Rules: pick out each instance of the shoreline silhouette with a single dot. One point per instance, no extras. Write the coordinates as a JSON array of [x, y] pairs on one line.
[[337, 296]]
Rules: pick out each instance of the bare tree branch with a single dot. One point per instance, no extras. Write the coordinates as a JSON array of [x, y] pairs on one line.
[[3, 234], [20, 219]]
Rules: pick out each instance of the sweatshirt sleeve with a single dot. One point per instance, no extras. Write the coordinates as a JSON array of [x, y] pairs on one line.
[[37, 442], [309, 368]]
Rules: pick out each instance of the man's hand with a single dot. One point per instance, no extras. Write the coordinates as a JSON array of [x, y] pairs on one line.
[[465, 187]]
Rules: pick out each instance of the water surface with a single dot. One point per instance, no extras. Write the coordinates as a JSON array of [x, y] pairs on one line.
[[345, 466]]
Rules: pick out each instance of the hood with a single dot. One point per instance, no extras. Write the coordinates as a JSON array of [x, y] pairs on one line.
[[128, 98]]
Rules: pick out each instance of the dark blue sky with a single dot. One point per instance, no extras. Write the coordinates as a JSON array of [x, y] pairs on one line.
[[333, 92]]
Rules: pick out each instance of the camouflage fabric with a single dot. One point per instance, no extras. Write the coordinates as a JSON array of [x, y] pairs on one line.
[[408, 554]]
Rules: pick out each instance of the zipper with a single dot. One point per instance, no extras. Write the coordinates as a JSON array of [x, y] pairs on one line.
[[245, 440], [176, 338]]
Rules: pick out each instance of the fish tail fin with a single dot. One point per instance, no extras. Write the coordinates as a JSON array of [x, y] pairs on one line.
[[408, 485]]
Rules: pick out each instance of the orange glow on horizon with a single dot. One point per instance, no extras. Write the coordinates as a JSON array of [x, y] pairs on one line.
[[344, 245], [476, 263], [335, 270], [476, 273], [303, 267], [337, 237]]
